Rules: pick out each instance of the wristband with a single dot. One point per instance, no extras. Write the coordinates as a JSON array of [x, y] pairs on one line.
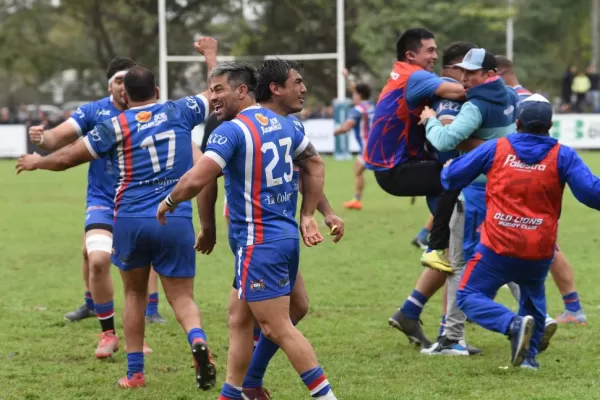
[[169, 201]]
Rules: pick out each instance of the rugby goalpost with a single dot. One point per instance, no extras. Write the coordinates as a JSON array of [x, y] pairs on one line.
[[165, 58]]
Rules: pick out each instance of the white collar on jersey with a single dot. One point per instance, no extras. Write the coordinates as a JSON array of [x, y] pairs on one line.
[[144, 106]]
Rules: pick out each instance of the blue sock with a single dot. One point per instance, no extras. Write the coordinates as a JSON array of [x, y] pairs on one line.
[[423, 235], [152, 307], [571, 301], [316, 382], [442, 324], [196, 333], [413, 306], [135, 364], [263, 353], [229, 392], [256, 335], [89, 302]]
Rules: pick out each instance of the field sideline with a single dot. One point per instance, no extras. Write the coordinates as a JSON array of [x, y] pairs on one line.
[[353, 286]]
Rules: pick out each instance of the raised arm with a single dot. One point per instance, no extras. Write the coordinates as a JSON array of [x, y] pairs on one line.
[[53, 139], [460, 172]]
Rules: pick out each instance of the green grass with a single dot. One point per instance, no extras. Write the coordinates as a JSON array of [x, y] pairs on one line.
[[354, 286]]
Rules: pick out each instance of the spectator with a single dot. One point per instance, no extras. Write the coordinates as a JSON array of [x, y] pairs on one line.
[[594, 93], [5, 117], [567, 81], [580, 87]]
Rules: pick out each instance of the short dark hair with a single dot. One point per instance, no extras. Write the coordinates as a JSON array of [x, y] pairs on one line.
[[118, 64], [140, 84], [238, 73], [410, 40], [277, 71], [504, 63], [455, 52], [363, 90]]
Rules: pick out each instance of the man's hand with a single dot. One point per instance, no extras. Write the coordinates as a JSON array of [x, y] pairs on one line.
[[206, 45], [448, 163], [161, 213], [426, 114], [205, 243], [336, 227], [27, 162], [309, 228], [36, 134]]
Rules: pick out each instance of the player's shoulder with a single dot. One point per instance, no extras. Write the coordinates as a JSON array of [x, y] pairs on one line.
[[298, 125], [448, 79]]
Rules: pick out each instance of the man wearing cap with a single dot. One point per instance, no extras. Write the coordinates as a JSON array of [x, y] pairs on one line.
[[488, 113], [526, 172]]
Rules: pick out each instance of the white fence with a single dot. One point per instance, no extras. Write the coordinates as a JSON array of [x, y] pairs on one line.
[[580, 131]]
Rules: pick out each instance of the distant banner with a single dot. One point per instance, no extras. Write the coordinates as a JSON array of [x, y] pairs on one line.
[[580, 131], [13, 141]]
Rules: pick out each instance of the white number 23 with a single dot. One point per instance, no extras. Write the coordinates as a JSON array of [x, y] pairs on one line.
[[287, 176]]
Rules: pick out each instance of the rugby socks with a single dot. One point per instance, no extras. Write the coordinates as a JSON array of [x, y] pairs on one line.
[[423, 235], [89, 302], [256, 335], [317, 383], [152, 307], [195, 334], [571, 301], [263, 353], [357, 197], [442, 325], [413, 306], [135, 364], [229, 392], [106, 315]]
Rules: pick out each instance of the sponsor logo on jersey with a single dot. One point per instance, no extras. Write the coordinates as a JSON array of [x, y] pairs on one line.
[[158, 119], [143, 116], [95, 135], [264, 121], [215, 138], [103, 112], [513, 162], [192, 104], [272, 125]]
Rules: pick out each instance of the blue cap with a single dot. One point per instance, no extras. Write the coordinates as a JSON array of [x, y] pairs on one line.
[[535, 112], [477, 59]]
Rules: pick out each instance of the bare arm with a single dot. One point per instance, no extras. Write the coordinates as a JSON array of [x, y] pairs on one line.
[[192, 182], [65, 158], [313, 179], [207, 198], [451, 91], [345, 127], [207, 46], [56, 138]]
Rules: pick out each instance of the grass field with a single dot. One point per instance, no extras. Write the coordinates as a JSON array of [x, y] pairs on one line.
[[354, 286]]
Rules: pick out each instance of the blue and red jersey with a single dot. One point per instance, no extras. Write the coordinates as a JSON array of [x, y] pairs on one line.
[[150, 148], [256, 151], [396, 136], [101, 176], [526, 178], [362, 115]]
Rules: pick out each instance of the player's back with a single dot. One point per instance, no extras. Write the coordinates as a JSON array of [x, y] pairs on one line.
[[150, 148], [259, 174]]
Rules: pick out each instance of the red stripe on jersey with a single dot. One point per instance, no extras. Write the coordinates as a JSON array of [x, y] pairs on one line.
[[247, 258], [128, 159], [256, 181]]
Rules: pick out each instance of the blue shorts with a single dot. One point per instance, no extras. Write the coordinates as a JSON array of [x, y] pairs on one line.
[[474, 216], [99, 217], [267, 271], [139, 242]]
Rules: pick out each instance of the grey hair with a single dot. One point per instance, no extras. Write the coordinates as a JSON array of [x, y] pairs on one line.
[[238, 73]]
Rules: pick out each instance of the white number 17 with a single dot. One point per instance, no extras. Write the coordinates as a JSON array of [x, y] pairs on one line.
[[287, 176], [149, 144]]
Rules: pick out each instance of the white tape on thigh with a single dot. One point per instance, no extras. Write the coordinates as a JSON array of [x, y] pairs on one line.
[[98, 242]]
